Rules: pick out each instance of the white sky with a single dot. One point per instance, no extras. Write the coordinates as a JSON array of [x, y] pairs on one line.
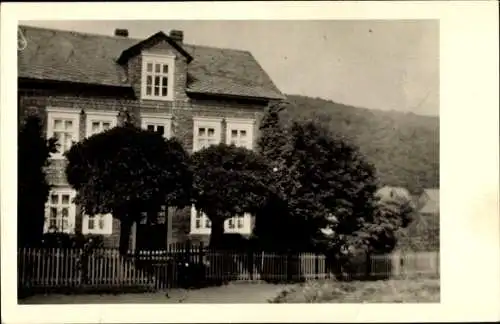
[[389, 65]]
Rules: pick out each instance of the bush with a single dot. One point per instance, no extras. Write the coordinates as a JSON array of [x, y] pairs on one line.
[[68, 241]]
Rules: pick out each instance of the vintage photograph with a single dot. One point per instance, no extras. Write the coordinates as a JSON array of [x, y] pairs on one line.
[[228, 161]]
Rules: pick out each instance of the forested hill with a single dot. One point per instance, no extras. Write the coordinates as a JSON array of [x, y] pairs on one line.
[[403, 146]]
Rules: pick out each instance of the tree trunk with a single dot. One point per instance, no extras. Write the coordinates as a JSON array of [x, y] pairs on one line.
[[125, 229], [217, 233]]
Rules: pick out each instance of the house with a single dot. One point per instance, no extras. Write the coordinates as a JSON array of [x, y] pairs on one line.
[[423, 234], [429, 202], [393, 193], [80, 83]]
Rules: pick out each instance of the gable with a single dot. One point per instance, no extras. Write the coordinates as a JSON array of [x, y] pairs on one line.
[[149, 43], [430, 201]]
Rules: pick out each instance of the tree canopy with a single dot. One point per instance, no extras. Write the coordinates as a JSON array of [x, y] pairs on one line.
[[324, 192], [127, 170], [34, 151], [228, 181]]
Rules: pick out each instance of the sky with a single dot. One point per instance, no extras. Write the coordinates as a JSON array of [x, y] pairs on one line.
[[377, 64]]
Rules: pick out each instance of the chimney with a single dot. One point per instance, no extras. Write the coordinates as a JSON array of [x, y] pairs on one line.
[[177, 35], [121, 32]]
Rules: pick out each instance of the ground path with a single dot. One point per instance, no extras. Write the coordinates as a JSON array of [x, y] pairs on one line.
[[232, 293]]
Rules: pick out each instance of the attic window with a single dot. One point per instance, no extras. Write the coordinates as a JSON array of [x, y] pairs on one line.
[[157, 77]]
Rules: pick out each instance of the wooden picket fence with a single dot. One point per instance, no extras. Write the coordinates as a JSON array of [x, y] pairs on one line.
[[160, 270]]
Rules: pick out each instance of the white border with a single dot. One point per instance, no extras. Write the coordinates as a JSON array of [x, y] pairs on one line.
[[469, 162]]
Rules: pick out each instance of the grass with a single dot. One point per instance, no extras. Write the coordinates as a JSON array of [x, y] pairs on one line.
[[418, 290]]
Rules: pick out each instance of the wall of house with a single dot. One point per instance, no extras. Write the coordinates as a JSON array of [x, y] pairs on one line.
[[182, 113], [36, 97]]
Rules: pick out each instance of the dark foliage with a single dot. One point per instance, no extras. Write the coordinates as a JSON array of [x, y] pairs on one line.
[[69, 241], [228, 180], [33, 153], [127, 171], [324, 193]]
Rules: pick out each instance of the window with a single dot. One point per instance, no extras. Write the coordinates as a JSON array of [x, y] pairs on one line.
[[240, 221], [200, 223], [198, 218], [100, 121], [63, 124], [206, 132], [240, 132], [157, 123], [157, 77], [97, 224], [236, 224], [60, 211], [162, 215]]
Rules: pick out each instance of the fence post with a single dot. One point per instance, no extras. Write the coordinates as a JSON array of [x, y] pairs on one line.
[[438, 263], [250, 261], [201, 257], [316, 265]]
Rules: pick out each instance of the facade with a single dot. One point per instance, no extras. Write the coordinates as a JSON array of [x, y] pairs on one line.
[[80, 85]]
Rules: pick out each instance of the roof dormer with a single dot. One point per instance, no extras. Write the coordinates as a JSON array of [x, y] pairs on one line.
[[157, 76], [153, 63], [152, 41]]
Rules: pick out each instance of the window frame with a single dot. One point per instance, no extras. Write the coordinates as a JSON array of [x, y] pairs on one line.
[[246, 124], [54, 113], [158, 119], [100, 116], [168, 60], [108, 224], [60, 191], [243, 219], [206, 122], [204, 220]]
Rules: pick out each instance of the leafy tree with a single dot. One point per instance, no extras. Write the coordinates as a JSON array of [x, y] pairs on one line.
[[319, 176], [228, 180], [126, 171], [380, 235], [272, 134], [34, 151], [324, 193]]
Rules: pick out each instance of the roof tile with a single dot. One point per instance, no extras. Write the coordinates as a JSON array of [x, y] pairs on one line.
[[85, 58]]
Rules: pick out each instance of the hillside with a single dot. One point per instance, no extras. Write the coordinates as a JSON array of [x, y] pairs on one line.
[[403, 146]]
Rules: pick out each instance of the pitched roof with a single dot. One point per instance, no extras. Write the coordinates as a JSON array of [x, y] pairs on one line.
[[155, 39], [85, 58], [431, 205]]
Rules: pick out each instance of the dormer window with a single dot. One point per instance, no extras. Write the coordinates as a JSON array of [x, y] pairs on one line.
[[157, 77]]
